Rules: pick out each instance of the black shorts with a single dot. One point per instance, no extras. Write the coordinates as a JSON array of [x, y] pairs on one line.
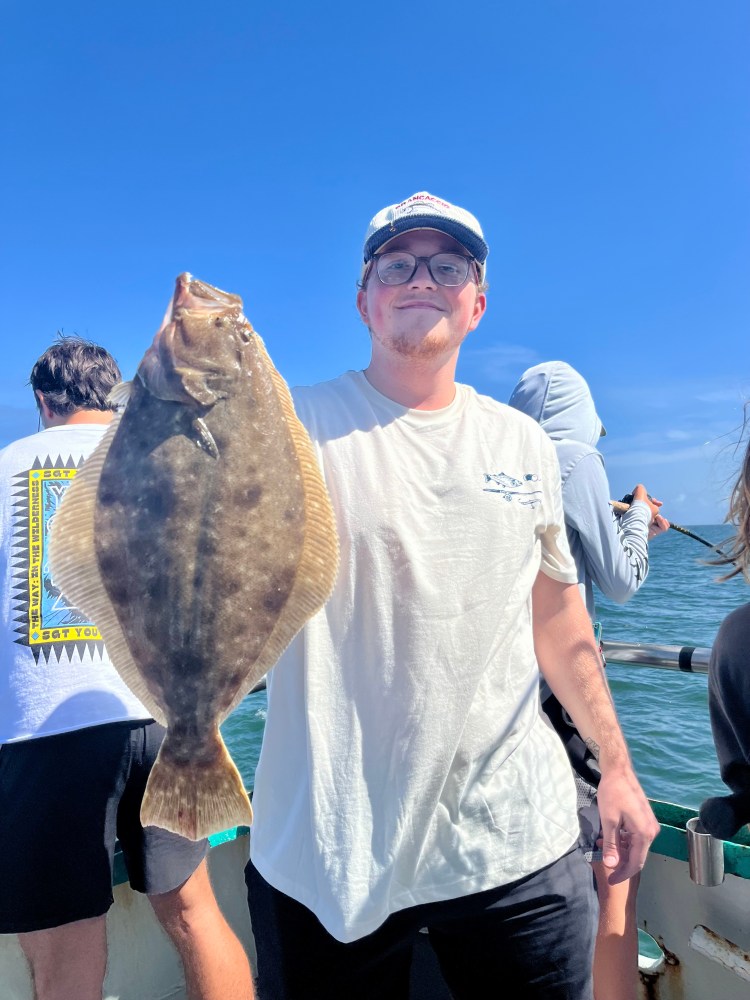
[[533, 938], [63, 802]]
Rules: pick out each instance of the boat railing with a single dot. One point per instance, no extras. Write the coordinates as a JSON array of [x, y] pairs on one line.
[[687, 659]]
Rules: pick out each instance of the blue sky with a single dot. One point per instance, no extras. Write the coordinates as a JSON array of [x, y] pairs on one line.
[[604, 147]]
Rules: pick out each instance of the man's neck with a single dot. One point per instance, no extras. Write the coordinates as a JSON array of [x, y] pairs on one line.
[[79, 417], [418, 386]]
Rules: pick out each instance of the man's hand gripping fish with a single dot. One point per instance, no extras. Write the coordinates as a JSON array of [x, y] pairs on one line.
[[199, 537]]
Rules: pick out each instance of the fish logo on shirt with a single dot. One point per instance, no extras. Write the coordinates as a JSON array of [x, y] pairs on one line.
[[510, 488]]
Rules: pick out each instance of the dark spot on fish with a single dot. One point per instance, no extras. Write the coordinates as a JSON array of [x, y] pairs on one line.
[[108, 494], [184, 730], [153, 502], [158, 590], [275, 600], [111, 570], [190, 664], [276, 597], [252, 496]]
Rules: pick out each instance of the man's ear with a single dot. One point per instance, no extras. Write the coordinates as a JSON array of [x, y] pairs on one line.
[[44, 410], [479, 309], [362, 305]]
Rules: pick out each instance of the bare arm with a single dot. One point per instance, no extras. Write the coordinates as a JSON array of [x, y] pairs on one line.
[[571, 664]]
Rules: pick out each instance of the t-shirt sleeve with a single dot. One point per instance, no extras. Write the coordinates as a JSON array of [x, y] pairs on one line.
[[557, 562]]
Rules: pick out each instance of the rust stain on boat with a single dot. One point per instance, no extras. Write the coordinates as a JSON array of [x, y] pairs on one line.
[[199, 537], [667, 982]]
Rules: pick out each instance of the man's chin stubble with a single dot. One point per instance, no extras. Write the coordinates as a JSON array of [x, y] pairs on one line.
[[422, 349]]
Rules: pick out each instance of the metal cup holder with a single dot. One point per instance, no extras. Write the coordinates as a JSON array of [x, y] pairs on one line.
[[705, 854]]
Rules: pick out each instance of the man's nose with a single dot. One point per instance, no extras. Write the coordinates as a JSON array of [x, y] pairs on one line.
[[422, 276]]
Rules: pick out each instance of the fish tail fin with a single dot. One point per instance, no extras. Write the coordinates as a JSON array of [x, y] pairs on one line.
[[193, 799]]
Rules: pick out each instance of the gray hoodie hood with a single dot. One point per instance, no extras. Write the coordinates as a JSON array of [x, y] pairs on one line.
[[559, 399]]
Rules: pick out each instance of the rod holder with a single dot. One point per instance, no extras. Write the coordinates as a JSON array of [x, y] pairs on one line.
[[705, 854]]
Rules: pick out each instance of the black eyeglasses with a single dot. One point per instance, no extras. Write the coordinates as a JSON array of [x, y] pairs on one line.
[[400, 266]]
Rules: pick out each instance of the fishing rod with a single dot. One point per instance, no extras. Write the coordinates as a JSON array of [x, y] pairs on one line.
[[620, 506]]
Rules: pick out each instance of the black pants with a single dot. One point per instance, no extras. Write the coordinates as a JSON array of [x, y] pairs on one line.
[[531, 939]]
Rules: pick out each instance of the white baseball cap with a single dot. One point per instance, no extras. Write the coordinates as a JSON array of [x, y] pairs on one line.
[[425, 211]]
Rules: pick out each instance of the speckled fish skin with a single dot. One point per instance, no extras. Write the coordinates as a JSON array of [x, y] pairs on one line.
[[214, 541]]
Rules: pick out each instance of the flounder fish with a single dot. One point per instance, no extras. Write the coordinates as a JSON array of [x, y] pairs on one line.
[[199, 537]]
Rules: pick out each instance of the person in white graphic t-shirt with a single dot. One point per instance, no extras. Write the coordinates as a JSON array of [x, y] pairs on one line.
[[407, 778], [76, 746]]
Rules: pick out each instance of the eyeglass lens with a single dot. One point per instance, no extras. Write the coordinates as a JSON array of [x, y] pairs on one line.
[[398, 267]]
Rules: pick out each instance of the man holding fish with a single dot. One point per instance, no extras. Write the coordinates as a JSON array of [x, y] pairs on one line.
[[76, 746], [407, 778]]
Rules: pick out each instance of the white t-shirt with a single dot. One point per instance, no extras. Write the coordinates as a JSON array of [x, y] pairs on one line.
[[55, 675], [405, 759]]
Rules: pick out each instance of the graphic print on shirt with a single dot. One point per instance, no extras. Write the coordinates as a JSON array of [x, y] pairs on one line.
[[46, 621], [507, 487]]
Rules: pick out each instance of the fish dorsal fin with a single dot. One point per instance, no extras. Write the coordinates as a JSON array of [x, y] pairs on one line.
[[75, 568], [318, 564]]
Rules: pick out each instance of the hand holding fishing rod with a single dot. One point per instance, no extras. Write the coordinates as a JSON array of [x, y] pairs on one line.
[[620, 506], [659, 524]]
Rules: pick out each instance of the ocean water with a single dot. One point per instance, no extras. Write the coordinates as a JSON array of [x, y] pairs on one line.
[[664, 714]]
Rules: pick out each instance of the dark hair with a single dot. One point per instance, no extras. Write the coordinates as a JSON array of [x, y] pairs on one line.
[[74, 374], [739, 516]]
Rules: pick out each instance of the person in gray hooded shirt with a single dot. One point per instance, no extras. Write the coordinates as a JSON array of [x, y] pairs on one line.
[[611, 552]]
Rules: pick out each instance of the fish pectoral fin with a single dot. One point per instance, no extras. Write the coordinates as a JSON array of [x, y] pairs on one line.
[[204, 437], [205, 388]]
